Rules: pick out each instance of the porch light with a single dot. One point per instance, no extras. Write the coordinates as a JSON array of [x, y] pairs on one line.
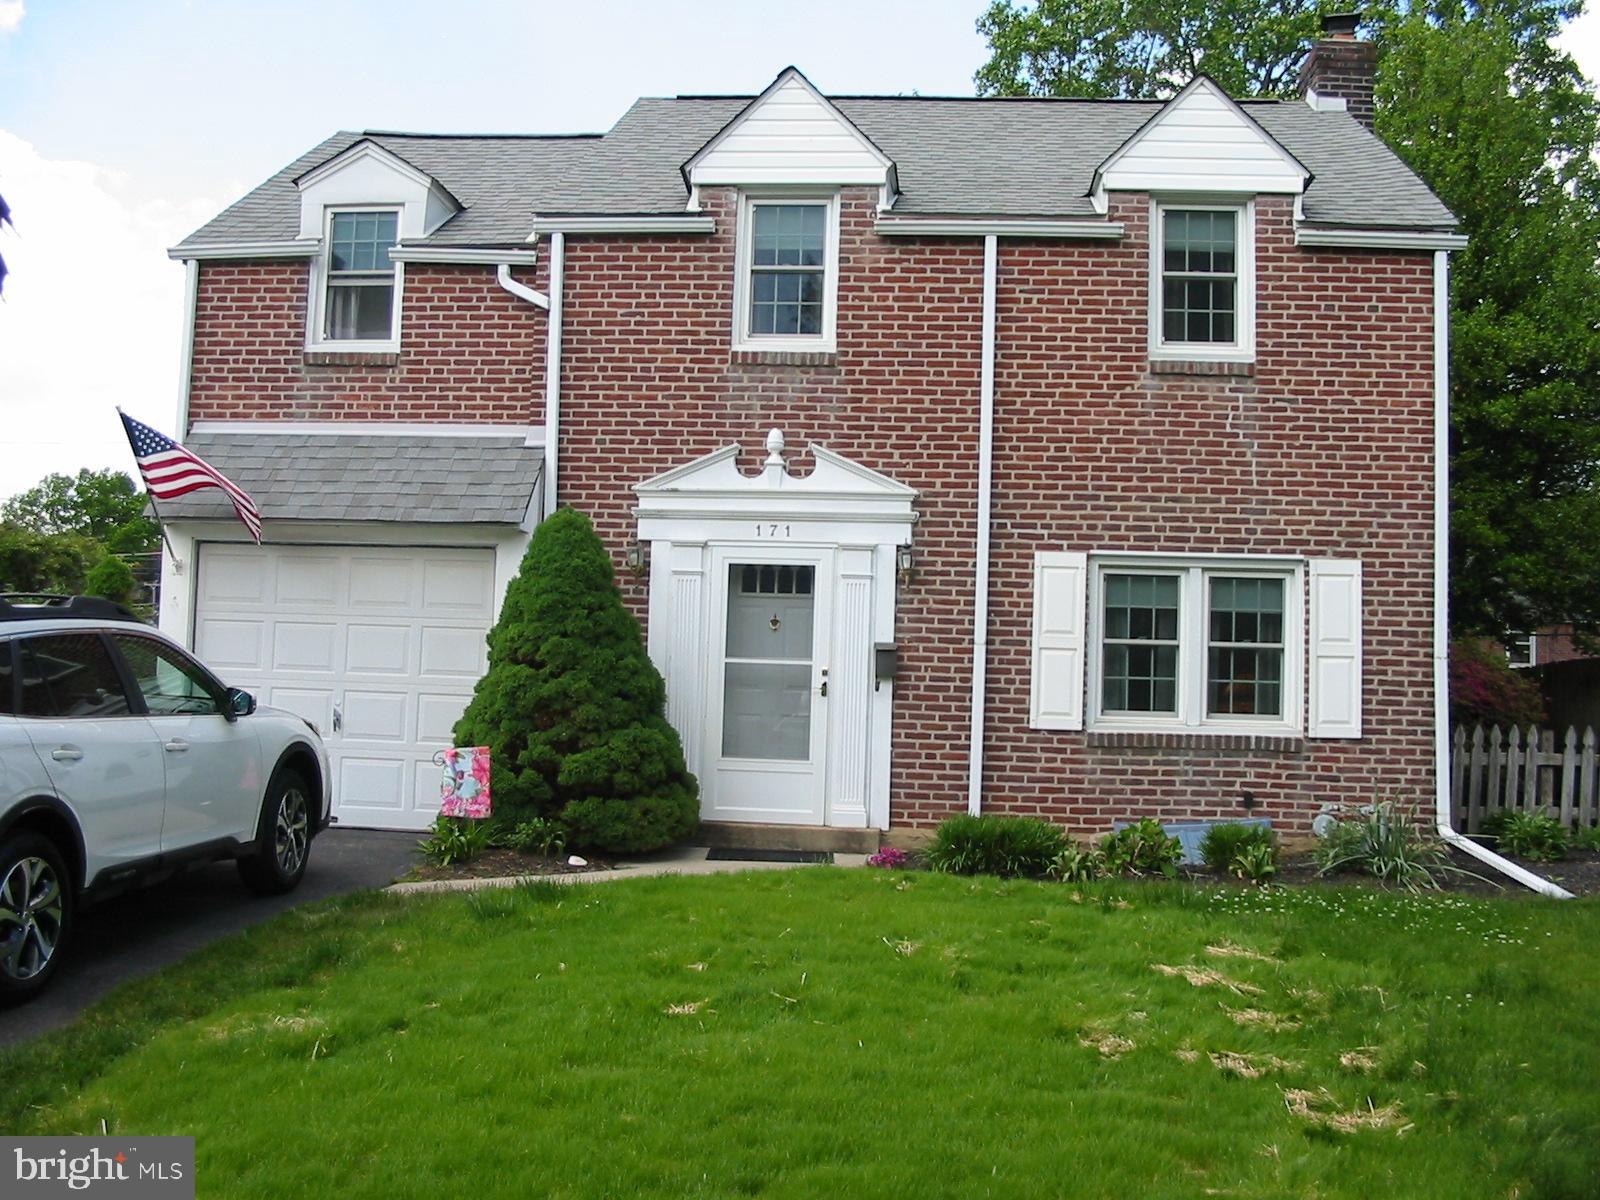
[[635, 558], [905, 564]]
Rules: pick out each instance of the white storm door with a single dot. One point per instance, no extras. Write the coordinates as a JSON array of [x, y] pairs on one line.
[[767, 718], [379, 647]]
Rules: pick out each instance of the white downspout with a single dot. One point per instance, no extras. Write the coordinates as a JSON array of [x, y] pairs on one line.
[[1441, 595], [980, 600], [552, 356]]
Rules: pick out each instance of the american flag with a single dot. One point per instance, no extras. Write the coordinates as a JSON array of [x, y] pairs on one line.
[[169, 470]]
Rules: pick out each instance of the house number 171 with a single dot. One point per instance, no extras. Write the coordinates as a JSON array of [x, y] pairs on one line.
[[772, 531]]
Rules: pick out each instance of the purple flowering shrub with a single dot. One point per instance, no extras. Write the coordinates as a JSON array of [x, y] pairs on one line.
[[888, 857], [1486, 690]]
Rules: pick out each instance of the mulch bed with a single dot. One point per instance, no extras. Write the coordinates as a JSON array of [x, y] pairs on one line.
[[499, 864]]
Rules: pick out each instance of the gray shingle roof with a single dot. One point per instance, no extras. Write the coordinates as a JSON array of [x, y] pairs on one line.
[[955, 157], [351, 477]]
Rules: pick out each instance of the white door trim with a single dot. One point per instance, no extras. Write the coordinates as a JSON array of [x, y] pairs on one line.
[[705, 512]]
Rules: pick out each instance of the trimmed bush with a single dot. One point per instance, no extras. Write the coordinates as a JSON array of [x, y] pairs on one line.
[[1223, 843], [1004, 846], [572, 709], [111, 579]]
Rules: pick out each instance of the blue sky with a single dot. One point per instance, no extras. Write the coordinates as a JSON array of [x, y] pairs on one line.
[[124, 124]]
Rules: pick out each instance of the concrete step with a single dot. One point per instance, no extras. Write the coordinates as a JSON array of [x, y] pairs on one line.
[[761, 836]]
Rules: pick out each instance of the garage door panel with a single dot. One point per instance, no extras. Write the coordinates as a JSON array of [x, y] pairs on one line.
[[382, 582], [303, 579], [378, 649], [375, 715], [458, 587], [372, 783], [312, 704], [227, 646], [437, 717], [393, 638], [446, 652], [304, 646]]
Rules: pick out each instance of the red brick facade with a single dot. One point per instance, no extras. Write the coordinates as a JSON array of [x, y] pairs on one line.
[[1325, 450]]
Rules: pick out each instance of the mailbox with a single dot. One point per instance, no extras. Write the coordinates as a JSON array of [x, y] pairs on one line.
[[886, 659]]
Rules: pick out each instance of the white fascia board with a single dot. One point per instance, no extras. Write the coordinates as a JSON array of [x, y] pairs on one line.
[[1379, 239], [365, 148], [463, 254], [301, 248], [888, 226], [532, 435], [647, 224]]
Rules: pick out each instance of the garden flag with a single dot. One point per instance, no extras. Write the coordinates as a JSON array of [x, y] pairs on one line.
[[169, 470], [465, 791]]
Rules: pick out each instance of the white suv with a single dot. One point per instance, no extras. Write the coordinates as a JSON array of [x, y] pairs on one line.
[[122, 759]]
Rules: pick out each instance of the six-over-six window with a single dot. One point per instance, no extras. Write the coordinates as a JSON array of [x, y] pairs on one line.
[[1195, 645], [359, 305], [786, 281], [1202, 287]]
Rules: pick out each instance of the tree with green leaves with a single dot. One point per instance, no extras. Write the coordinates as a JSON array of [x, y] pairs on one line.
[[104, 505], [571, 707], [53, 563], [1505, 129]]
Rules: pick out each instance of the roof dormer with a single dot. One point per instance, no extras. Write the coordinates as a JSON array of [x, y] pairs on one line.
[[1201, 142], [791, 134], [367, 174]]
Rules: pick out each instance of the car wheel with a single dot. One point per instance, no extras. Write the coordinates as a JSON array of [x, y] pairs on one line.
[[283, 837], [35, 914]]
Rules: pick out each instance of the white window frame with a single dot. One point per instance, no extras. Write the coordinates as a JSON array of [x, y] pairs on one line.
[[744, 239], [1511, 640], [1194, 573], [1243, 347], [317, 310]]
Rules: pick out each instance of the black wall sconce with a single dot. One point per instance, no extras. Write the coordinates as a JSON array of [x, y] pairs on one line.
[[634, 559], [905, 565]]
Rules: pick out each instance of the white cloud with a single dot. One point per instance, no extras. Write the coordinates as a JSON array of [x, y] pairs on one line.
[[11, 14], [91, 316]]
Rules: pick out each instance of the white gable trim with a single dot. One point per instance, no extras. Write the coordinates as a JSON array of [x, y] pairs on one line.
[[1200, 142], [791, 134], [302, 249], [367, 175]]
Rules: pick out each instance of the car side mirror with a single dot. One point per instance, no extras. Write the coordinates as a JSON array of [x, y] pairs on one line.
[[240, 704]]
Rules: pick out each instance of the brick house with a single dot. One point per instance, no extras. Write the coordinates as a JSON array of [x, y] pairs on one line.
[[1073, 458]]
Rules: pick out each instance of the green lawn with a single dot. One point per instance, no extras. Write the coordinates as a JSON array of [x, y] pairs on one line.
[[861, 1033]]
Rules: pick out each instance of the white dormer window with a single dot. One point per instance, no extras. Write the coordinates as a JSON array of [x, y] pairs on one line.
[[786, 288], [1202, 303], [360, 284]]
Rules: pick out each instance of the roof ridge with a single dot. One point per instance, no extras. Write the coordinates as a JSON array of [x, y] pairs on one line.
[[463, 137]]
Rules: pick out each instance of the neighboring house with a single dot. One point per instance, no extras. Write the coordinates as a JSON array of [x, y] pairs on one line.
[[1552, 644], [1073, 458]]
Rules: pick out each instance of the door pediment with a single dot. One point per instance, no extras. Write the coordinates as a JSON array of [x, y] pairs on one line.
[[701, 498]]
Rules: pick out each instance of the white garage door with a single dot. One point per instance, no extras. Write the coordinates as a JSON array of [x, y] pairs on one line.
[[390, 638]]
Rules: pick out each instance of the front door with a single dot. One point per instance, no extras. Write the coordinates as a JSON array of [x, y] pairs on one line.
[[766, 723]]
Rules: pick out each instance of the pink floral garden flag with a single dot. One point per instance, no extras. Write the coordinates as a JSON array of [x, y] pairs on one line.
[[465, 791]]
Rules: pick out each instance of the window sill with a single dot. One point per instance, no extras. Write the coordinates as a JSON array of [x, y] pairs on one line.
[[352, 358], [1202, 366], [1277, 743], [785, 358]]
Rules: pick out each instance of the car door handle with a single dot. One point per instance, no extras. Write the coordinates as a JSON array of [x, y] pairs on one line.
[[176, 745], [66, 754]]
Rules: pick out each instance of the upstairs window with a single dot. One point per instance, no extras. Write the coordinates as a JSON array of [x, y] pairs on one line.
[[786, 286], [359, 301], [1203, 302]]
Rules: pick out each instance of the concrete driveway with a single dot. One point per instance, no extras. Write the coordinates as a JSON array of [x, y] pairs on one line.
[[145, 930]]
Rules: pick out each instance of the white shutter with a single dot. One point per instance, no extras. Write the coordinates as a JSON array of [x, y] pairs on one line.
[[1059, 582], [1335, 673]]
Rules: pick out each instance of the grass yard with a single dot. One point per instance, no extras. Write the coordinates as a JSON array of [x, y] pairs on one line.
[[858, 1034]]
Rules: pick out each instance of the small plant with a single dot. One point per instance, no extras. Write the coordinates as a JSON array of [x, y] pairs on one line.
[[455, 840], [889, 857], [1223, 843], [537, 835], [1255, 862], [1078, 863], [1143, 848], [1385, 841], [1004, 846], [1587, 838], [1532, 835]]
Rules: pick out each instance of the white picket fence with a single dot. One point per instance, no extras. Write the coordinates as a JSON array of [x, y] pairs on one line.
[[1523, 771]]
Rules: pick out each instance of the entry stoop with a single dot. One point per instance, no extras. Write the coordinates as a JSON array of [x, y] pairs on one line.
[[761, 836]]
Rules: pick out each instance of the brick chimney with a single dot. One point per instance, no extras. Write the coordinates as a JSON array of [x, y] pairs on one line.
[[1341, 67]]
